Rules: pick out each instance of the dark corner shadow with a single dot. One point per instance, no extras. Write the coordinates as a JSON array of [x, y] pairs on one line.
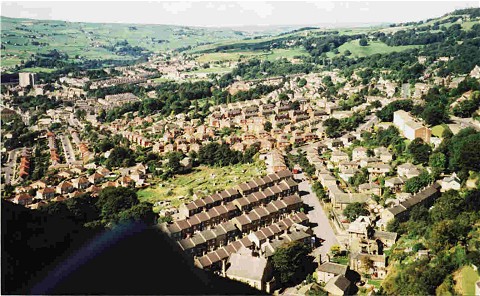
[[353, 276], [303, 192], [307, 208], [133, 259], [144, 262]]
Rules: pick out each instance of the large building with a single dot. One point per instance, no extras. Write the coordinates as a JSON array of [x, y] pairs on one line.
[[409, 127], [26, 79]]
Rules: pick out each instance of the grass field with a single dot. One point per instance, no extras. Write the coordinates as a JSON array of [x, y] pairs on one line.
[[438, 130], [39, 69], [22, 36], [466, 278], [373, 47], [205, 179], [286, 53]]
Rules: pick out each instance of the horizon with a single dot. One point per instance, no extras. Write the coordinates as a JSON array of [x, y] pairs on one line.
[[264, 14]]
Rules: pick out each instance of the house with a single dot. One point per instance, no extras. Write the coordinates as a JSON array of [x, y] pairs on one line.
[[38, 184], [254, 271], [359, 153], [64, 187], [395, 183], [383, 154], [360, 227], [407, 170], [95, 178], [46, 193], [372, 188], [409, 127], [450, 183], [338, 286], [80, 183], [388, 239], [375, 265], [339, 156], [329, 270], [23, 199], [402, 210], [379, 169]]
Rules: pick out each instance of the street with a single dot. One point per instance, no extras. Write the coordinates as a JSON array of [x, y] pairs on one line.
[[67, 149], [322, 229]]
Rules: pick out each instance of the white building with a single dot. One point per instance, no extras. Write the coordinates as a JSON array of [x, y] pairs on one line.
[[409, 127]]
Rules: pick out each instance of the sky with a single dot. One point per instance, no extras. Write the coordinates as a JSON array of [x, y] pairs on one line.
[[233, 13]]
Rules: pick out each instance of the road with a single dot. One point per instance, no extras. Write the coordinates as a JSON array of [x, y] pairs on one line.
[[11, 165], [68, 150], [465, 122], [322, 229]]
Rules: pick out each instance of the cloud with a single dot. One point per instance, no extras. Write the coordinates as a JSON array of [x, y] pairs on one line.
[[324, 5], [176, 7], [262, 9]]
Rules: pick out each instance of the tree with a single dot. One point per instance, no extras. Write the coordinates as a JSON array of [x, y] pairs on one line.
[[448, 206], [386, 113], [289, 260], [113, 200], [173, 163], [267, 126], [333, 127], [302, 82], [414, 184], [437, 161], [363, 42], [354, 210], [141, 212], [435, 113], [420, 151]]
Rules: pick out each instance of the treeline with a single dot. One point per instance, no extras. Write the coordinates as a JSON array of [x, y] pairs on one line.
[[174, 98], [215, 154]]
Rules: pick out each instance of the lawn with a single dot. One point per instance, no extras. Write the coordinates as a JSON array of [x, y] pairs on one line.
[[373, 47], [466, 278], [286, 53], [39, 69], [205, 179], [438, 130]]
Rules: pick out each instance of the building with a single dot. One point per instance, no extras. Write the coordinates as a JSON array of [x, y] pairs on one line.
[[338, 285], [255, 271], [411, 128], [27, 79], [329, 270]]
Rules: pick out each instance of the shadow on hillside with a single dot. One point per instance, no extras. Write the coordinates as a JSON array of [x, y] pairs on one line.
[[132, 259]]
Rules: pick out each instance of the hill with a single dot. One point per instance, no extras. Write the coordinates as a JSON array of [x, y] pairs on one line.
[[85, 41]]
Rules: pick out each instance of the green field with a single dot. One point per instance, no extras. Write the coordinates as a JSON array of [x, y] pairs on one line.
[[23, 37], [205, 179], [373, 47], [438, 130], [286, 53], [466, 278]]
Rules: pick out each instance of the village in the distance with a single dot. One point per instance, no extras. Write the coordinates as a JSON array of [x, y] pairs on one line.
[[311, 162]]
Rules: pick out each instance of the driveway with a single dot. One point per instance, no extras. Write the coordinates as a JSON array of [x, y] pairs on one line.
[[323, 230]]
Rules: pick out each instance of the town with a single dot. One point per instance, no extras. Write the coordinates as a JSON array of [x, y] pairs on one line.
[[347, 169]]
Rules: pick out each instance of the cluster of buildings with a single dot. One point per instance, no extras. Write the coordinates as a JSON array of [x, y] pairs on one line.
[[243, 225], [74, 181]]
